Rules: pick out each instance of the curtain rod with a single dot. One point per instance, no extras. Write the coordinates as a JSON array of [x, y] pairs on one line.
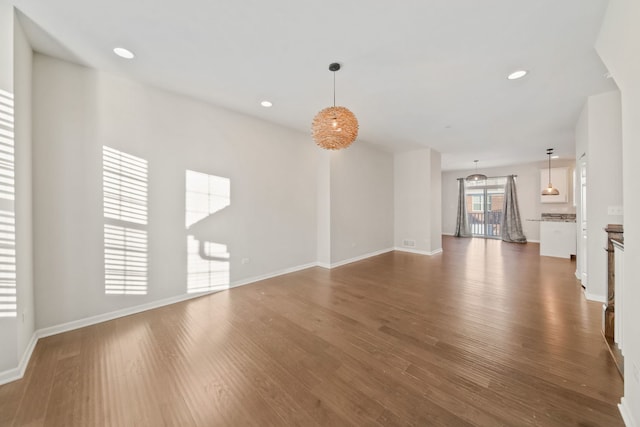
[[501, 176]]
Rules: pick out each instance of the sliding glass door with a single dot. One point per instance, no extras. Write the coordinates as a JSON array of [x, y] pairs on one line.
[[484, 206]]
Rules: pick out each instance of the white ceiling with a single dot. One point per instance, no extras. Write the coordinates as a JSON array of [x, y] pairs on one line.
[[417, 73]]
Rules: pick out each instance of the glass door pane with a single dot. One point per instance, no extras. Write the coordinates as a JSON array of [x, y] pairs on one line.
[[495, 200], [476, 210], [484, 206]]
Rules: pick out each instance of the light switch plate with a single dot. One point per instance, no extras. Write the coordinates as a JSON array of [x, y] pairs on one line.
[[614, 210]]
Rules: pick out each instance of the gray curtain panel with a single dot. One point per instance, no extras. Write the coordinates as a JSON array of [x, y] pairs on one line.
[[462, 220], [511, 227]]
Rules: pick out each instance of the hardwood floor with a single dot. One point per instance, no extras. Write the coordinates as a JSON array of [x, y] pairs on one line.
[[487, 333]]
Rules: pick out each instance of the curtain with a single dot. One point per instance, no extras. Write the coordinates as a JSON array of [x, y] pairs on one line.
[[511, 227], [462, 220]]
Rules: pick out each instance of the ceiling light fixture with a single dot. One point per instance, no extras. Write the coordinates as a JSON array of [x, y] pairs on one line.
[[476, 176], [550, 190], [266, 104], [334, 127], [123, 53], [517, 74]]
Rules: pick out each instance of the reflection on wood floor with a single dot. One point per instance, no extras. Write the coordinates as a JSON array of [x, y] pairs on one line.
[[487, 333]]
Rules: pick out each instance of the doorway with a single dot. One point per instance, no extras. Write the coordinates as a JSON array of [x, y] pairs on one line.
[[485, 201], [582, 240]]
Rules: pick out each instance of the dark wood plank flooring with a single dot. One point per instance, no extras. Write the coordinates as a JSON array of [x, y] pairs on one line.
[[487, 333]]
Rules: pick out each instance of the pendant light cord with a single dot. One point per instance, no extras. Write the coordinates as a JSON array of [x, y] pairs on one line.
[[334, 88]]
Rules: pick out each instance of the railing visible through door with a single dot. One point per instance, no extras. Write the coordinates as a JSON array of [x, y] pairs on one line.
[[485, 224], [485, 201]]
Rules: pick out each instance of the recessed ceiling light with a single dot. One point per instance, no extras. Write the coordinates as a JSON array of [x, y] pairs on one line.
[[266, 104], [555, 157], [123, 53], [517, 74]]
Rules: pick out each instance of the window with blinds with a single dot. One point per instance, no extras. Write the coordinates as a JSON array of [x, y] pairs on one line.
[[125, 189], [8, 302]]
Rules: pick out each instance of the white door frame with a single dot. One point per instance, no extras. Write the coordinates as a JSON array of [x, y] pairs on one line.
[[582, 224]]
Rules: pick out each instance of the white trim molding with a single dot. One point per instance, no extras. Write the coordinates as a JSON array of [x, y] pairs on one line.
[[594, 297], [104, 317], [18, 372], [416, 251], [272, 275], [626, 414], [354, 259]]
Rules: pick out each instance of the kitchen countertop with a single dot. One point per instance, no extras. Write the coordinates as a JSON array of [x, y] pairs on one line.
[[555, 217]]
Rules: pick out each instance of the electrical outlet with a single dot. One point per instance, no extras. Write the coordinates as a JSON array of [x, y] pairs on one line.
[[409, 243], [636, 373], [245, 261], [614, 210]]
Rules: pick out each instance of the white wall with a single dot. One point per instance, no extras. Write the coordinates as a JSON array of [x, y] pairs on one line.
[[361, 202], [17, 329], [6, 46], [602, 143], [8, 325], [324, 208], [23, 58], [416, 200], [618, 46], [582, 142], [272, 170], [435, 197], [528, 186]]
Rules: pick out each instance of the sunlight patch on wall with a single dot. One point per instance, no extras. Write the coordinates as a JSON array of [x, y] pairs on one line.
[[206, 195], [8, 302], [125, 188], [207, 259]]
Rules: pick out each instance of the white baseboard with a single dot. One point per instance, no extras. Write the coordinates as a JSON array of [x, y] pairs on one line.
[[272, 275], [594, 297], [528, 240], [18, 372], [354, 259], [104, 317], [416, 251], [627, 416]]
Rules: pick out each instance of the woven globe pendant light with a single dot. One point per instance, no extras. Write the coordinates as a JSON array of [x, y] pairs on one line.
[[334, 128]]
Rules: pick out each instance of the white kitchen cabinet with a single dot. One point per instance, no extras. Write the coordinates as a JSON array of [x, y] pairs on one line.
[[559, 179], [557, 239]]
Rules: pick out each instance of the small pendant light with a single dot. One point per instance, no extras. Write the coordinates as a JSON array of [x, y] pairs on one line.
[[550, 190], [476, 176]]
